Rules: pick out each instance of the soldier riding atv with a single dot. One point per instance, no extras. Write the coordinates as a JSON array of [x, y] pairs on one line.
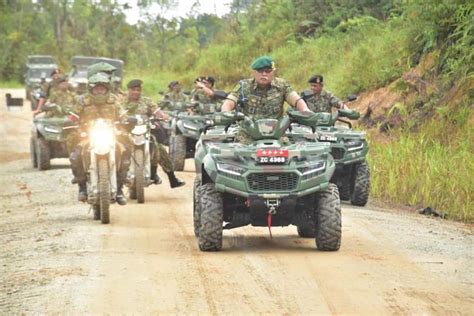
[[349, 149], [263, 179]]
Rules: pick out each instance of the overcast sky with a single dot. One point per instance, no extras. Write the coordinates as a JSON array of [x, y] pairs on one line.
[[219, 7]]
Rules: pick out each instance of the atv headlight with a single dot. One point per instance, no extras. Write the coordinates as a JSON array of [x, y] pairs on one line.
[[186, 125], [230, 169], [313, 170], [354, 145]]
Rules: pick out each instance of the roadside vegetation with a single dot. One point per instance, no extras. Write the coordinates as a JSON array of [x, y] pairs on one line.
[[423, 159]]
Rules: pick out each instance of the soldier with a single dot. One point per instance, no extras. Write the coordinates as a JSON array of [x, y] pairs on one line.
[[204, 90], [173, 97], [48, 88], [98, 102], [265, 95], [318, 99], [108, 70], [62, 98], [135, 103]]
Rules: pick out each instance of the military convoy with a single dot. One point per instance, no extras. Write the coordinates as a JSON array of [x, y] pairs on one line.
[[295, 172]]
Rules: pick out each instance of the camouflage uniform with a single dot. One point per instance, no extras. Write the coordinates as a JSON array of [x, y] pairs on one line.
[[262, 103], [172, 100], [323, 102], [65, 100], [145, 106]]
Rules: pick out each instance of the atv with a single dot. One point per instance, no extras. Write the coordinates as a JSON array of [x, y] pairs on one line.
[[47, 141], [349, 149], [186, 128], [265, 183]]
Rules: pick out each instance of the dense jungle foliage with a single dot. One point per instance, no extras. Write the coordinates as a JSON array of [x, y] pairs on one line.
[[359, 46]]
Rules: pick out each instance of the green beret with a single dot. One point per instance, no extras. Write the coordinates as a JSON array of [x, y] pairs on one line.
[[134, 83], [263, 62], [316, 79]]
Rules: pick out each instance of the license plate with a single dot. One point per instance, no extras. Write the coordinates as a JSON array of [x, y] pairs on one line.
[[272, 156], [327, 138]]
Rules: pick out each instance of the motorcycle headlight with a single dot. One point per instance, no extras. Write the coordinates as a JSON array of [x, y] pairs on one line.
[[313, 170], [102, 138], [230, 169]]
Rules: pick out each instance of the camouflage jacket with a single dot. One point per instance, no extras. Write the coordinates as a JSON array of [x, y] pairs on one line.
[[88, 110], [323, 102], [199, 95], [176, 96], [143, 106], [65, 101], [173, 100], [263, 104]]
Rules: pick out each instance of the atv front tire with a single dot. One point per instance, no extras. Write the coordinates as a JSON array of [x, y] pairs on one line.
[[328, 219], [34, 159], [361, 186], [211, 219], [43, 154]]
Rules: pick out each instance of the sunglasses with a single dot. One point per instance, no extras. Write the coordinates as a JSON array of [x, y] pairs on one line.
[[265, 71]]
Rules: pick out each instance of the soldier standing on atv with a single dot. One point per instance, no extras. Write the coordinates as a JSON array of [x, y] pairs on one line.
[[318, 99], [263, 96], [135, 103], [98, 102], [62, 97]]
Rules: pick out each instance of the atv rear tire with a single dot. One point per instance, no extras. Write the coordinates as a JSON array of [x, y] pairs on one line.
[[328, 219], [344, 188], [361, 186], [43, 154], [104, 190], [178, 151], [307, 230], [34, 159], [196, 206], [211, 219]]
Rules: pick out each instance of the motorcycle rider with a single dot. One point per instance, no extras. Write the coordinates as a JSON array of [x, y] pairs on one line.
[[134, 104], [98, 102]]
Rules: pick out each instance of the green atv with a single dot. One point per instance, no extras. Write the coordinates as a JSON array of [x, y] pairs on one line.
[[47, 141], [349, 149], [265, 183], [185, 132]]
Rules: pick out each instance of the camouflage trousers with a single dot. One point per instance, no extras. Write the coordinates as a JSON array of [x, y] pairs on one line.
[[161, 156]]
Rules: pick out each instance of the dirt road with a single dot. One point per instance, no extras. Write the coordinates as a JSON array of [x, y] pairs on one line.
[[55, 259]]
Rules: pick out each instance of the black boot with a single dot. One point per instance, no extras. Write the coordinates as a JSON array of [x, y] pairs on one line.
[[155, 178], [174, 182], [82, 197], [120, 198]]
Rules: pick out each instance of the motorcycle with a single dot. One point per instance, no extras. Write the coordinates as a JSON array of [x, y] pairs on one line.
[[100, 162], [139, 174]]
